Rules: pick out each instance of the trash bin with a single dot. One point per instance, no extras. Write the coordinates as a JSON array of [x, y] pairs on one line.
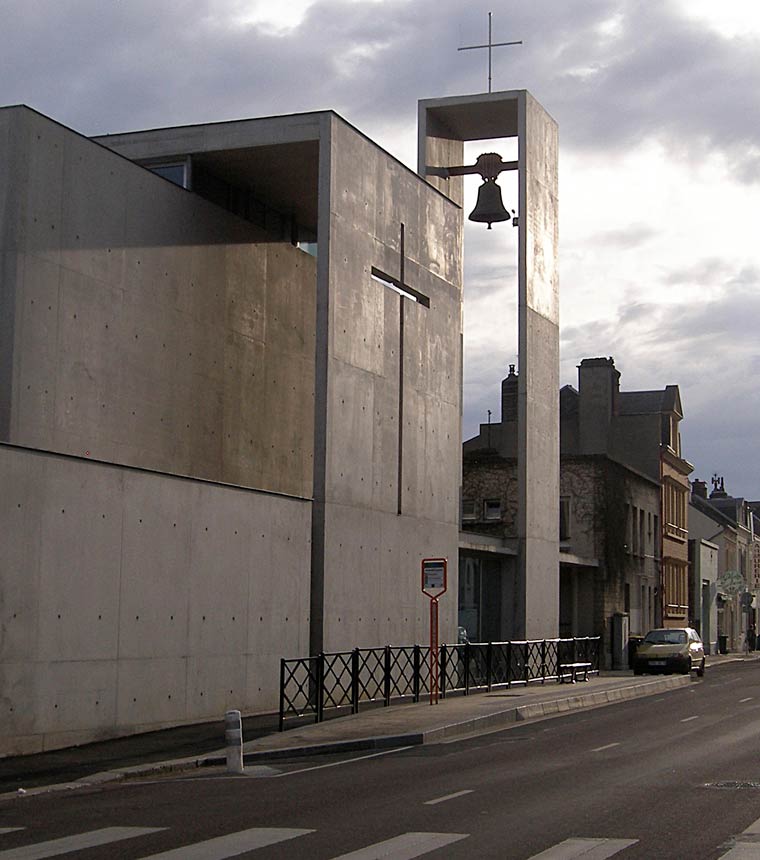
[[723, 643]]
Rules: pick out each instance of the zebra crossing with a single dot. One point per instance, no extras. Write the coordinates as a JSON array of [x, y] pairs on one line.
[[404, 846]]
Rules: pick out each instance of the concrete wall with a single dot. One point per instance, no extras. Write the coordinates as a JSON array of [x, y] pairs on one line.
[[131, 601], [538, 381], [377, 532], [149, 327]]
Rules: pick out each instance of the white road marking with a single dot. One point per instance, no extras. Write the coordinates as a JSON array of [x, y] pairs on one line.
[[748, 699], [448, 797], [744, 850], [689, 719], [587, 849], [404, 847], [78, 842], [231, 845], [339, 763], [606, 747]]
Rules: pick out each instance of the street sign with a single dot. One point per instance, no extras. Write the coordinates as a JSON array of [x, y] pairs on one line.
[[434, 584], [434, 576]]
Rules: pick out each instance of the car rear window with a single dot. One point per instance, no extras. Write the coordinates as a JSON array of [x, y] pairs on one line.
[[666, 637]]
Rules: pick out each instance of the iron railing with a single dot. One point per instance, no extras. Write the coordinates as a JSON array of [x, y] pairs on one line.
[[341, 681]]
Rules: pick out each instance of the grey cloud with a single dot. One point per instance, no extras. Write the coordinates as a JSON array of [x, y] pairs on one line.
[[104, 66]]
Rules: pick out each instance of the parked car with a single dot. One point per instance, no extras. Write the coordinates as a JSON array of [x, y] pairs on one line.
[[676, 649]]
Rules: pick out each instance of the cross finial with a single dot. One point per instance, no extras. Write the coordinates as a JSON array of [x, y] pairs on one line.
[[491, 45]]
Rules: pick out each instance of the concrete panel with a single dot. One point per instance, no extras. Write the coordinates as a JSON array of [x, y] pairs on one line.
[[79, 563], [373, 579], [215, 684], [21, 504], [12, 176], [350, 436], [39, 319], [42, 207], [538, 383], [133, 600], [76, 697], [153, 284], [155, 565], [214, 136], [221, 539], [152, 693]]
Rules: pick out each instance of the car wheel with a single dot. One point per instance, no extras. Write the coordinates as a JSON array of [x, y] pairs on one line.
[[638, 671], [688, 667], [701, 670]]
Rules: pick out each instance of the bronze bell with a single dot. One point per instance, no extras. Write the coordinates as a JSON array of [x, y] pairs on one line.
[[489, 207]]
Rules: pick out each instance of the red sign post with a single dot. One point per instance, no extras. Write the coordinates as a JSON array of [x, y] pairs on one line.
[[434, 584]]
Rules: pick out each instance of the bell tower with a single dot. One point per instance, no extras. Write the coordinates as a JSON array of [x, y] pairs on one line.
[[443, 127]]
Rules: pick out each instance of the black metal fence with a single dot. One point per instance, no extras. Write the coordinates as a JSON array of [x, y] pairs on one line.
[[341, 681]]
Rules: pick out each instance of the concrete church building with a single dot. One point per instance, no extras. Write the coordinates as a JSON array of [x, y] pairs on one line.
[[230, 411]]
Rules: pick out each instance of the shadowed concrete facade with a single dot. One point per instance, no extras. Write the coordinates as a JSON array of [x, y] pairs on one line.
[[219, 450], [444, 125]]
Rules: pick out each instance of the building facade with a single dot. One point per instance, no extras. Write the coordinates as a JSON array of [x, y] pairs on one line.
[[615, 448], [732, 525], [230, 381]]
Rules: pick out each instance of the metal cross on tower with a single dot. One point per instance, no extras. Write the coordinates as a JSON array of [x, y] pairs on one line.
[[490, 47]]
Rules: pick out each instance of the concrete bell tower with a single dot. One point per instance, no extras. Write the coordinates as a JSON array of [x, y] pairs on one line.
[[444, 125]]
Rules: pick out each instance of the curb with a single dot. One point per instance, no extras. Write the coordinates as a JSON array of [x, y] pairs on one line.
[[477, 725], [538, 710], [600, 698]]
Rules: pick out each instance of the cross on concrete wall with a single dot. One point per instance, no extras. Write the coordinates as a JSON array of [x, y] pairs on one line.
[[406, 293]]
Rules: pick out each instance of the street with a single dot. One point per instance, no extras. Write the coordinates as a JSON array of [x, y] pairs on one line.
[[669, 776]]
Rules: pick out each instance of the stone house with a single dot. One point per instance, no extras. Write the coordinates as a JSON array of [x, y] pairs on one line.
[[613, 446]]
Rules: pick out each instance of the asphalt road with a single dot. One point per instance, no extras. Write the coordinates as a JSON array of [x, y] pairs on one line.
[[670, 776]]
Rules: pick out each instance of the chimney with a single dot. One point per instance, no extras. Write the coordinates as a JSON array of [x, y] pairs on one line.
[[509, 396], [699, 488], [598, 389]]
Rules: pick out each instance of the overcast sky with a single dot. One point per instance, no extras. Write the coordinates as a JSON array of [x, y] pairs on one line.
[[657, 104]]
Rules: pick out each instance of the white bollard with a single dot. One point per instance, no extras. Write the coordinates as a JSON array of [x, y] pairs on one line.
[[233, 737]]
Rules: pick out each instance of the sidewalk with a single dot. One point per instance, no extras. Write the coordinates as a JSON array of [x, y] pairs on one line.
[[374, 728]]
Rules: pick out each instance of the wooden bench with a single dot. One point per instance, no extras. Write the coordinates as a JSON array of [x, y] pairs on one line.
[[573, 670]]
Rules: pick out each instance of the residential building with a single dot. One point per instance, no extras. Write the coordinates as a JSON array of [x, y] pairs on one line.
[[623, 486], [733, 526]]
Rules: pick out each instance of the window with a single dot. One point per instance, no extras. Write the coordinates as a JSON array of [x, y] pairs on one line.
[[656, 548], [469, 510], [634, 530], [642, 536], [492, 509], [675, 500], [666, 637], [564, 518], [175, 171], [676, 586]]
